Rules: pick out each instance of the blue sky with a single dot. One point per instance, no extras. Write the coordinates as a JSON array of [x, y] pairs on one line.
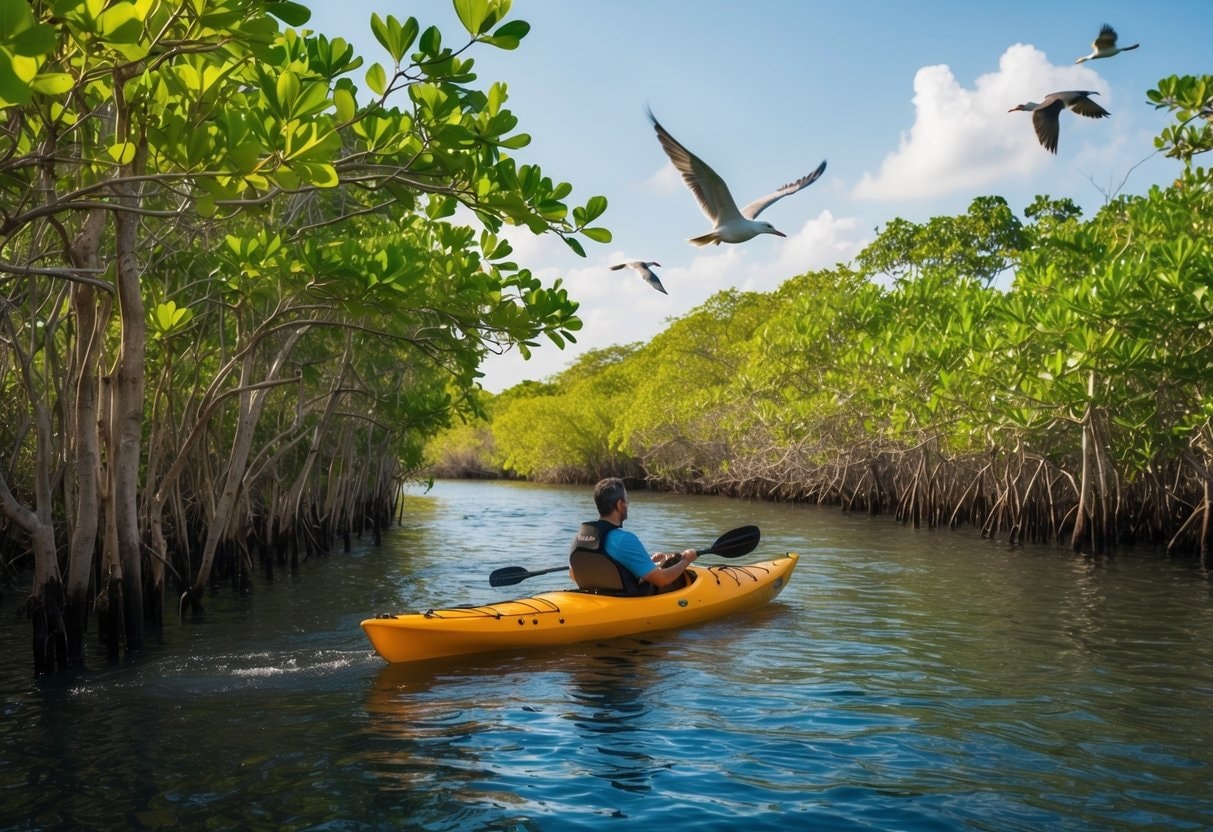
[[907, 101]]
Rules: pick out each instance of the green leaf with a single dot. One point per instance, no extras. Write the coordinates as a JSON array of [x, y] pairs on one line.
[[205, 205], [595, 207], [123, 152], [52, 83], [33, 42], [472, 14], [168, 316], [320, 175], [286, 177], [343, 99], [15, 17], [509, 35], [408, 34], [13, 90], [497, 96], [288, 92], [376, 79], [292, 14], [575, 245], [388, 33], [121, 23], [515, 142], [431, 41], [598, 235]]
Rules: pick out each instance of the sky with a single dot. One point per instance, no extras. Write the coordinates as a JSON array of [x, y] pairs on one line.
[[907, 102]]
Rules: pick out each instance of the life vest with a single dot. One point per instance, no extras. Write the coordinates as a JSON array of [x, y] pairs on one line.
[[596, 571]]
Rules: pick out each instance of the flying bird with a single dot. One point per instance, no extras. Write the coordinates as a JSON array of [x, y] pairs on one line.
[[1104, 46], [1045, 114], [642, 268], [729, 225]]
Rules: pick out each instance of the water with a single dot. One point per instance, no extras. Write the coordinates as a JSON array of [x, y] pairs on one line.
[[904, 680]]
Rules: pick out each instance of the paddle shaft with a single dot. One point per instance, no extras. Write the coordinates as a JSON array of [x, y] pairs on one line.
[[731, 544]]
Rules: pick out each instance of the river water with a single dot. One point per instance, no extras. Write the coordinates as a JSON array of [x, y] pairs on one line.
[[904, 680]]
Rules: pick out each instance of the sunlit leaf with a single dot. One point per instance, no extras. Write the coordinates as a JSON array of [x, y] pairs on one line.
[[376, 79], [52, 83], [472, 14]]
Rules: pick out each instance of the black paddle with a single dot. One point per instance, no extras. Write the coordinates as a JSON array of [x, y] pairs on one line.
[[732, 544]]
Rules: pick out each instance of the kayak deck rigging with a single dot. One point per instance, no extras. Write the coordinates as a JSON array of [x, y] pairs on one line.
[[546, 606]]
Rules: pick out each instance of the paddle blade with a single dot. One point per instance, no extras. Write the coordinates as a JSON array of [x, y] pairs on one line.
[[510, 575], [735, 543]]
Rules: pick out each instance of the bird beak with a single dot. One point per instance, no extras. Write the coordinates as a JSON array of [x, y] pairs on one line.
[[778, 233]]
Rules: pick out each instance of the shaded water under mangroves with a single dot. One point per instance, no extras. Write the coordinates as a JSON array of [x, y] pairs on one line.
[[904, 680]]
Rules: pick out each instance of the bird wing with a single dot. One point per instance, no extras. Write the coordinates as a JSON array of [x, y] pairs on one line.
[[652, 279], [1086, 107], [756, 207], [709, 189], [1105, 40], [1044, 119], [622, 266]]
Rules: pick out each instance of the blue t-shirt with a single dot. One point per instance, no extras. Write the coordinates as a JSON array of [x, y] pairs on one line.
[[625, 548]]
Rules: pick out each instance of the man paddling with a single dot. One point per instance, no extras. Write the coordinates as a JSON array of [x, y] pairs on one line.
[[640, 572]]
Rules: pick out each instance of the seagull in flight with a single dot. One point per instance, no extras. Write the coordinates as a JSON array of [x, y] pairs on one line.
[[642, 268], [729, 225], [1045, 114], [1104, 46]]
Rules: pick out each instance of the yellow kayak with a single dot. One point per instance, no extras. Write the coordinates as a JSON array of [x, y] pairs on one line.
[[569, 616]]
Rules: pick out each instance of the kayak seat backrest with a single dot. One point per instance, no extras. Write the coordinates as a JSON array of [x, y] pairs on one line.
[[595, 572]]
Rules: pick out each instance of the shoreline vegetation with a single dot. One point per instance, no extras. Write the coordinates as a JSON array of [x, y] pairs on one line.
[[236, 314]]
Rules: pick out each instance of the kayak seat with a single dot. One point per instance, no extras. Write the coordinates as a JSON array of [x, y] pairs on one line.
[[595, 572]]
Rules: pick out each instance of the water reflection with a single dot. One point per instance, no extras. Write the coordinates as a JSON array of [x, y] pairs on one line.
[[612, 697]]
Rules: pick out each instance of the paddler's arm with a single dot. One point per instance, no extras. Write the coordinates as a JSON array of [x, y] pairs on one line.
[[665, 575]]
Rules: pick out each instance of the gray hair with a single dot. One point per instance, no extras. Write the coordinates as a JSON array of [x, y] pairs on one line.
[[607, 493]]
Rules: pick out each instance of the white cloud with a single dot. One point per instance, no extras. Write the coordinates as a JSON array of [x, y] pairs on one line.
[[962, 139], [821, 243], [665, 180]]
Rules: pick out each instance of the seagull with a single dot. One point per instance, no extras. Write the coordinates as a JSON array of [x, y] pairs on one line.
[[642, 269], [729, 224], [1105, 46], [1044, 114]]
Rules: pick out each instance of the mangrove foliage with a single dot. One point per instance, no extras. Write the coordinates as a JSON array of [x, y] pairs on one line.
[[244, 274]]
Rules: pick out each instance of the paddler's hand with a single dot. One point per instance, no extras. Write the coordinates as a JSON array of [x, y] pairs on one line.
[[688, 555]]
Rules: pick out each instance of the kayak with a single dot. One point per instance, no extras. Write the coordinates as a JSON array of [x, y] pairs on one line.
[[569, 616]]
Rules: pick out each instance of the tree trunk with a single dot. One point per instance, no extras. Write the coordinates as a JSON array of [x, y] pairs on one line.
[[127, 422], [251, 403], [38, 523], [83, 449]]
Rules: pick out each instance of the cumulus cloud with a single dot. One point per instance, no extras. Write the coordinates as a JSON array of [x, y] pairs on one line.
[[821, 243], [964, 138]]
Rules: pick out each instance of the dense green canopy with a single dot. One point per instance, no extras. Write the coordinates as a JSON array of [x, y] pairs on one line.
[[243, 276]]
